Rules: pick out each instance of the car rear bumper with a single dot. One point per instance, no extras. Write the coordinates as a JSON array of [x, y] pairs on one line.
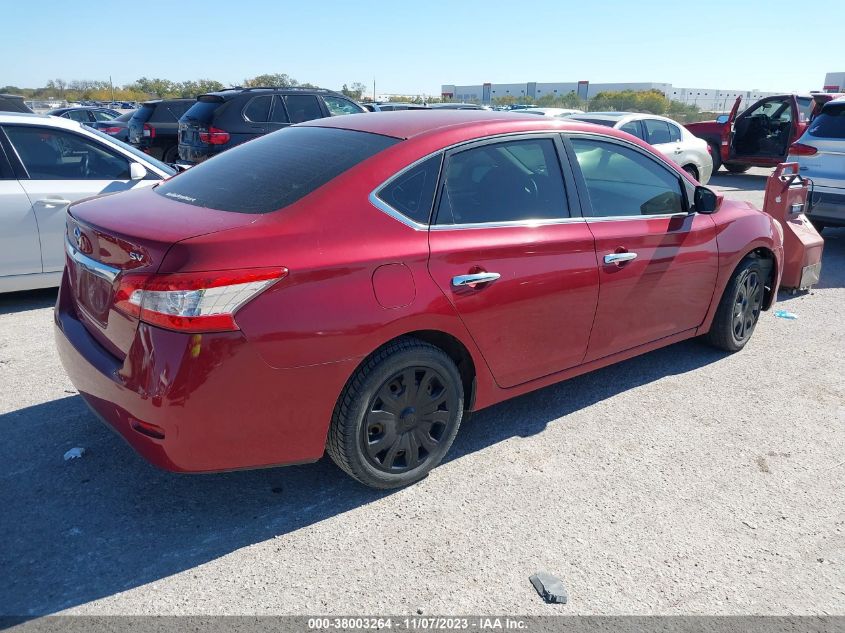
[[200, 403], [192, 154], [828, 206]]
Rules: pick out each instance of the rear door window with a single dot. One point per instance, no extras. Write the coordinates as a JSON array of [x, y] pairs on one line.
[[633, 127], [656, 131], [279, 113], [303, 108], [258, 109], [512, 181], [273, 171], [51, 154], [830, 123]]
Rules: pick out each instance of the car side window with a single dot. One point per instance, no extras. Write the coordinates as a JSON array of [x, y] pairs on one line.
[[258, 109], [279, 114], [303, 108], [78, 115], [412, 192], [338, 106], [99, 115], [622, 181], [674, 133], [633, 127], [503, 182], [656, 131], [51, 154]]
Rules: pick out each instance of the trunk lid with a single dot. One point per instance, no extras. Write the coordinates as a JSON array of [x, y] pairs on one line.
[[110, 236], [198, 118]]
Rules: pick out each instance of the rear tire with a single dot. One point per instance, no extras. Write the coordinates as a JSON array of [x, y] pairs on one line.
[[716, 156], [736, 168], [171, 155], [398, 415], [739, 309]]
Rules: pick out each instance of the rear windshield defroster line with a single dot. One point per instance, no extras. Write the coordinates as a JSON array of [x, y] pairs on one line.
[[275, 170]]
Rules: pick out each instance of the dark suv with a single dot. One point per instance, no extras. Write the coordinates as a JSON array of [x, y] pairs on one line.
[[13, 103], [155, 125], [220, 120]]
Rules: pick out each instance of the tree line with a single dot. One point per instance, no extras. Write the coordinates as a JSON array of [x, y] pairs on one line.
[[650, 101], [156, 88]]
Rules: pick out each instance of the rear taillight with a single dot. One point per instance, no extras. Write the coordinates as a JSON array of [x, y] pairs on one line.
[[149, 131], [111, 130], [214, 136], [193, 302], [799, 149]]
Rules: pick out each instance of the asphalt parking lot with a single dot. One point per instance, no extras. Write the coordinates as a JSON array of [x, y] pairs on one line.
[[686, 481]]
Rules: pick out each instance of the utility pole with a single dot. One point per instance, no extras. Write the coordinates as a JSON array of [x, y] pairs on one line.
[[112, 89], [374, 89]]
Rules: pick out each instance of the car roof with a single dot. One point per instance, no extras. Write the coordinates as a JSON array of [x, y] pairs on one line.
[[39, 119], [405, 124], [231, 93]]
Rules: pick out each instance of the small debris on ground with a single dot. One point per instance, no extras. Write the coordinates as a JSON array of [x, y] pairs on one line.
[[74, 453], [551, 589], [749, 525], [786, 314]]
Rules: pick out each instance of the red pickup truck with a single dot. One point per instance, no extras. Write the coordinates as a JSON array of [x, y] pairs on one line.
[[761, 135]]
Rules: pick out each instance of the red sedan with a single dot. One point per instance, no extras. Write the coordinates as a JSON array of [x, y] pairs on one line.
[[358, 284]]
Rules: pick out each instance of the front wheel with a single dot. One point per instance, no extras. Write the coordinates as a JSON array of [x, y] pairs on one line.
[[716, 156], [398, 415], [738, 311], [171, 155], [735, 168]]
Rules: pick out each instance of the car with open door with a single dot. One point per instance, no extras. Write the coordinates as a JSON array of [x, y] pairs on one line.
[[356, 285], [759, 136], [47, 163]]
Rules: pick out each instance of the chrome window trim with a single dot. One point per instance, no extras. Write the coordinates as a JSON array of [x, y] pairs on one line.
[[617, 218], [99, 269], [528, 224]]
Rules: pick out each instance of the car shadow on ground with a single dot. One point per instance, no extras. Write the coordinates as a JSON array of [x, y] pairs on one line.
[[11, 302], [738, 182], [75, 531]]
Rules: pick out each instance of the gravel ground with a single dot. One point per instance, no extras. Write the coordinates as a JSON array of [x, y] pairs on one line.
[[685, 481]]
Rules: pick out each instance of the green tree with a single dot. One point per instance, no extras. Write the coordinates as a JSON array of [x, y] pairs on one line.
[[355, 92], [160, 88], [277, 80], [198, 87]]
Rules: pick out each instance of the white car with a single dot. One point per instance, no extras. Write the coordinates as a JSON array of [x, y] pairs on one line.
[[46, 163], [668, 137], [556, 112], [820, 154]]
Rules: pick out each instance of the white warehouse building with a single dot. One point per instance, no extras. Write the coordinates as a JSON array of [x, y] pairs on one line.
[[834, 82], [707, 99]]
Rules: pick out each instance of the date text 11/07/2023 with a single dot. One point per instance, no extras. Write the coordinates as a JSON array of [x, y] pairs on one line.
[[417, 623]]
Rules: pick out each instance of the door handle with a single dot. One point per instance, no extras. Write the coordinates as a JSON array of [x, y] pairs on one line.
[[53, 202], [477, 278], [619, 258]]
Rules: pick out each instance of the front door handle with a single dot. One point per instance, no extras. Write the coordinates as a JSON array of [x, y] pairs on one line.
[[619, 258], [54, 202], [477, 278]]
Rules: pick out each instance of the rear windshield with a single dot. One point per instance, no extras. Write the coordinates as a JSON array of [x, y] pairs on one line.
[[830, 123], [203, 111], [607, 122], [143, 113], [273, 171]]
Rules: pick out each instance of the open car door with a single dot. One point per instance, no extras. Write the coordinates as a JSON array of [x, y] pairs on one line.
[[762, 133], [728, 130]]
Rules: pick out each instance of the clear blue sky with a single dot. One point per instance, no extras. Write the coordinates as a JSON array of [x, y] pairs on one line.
[[415, 46]]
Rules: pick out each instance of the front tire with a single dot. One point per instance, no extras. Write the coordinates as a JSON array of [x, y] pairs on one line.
[[739, 309], [171, 155], [735, 168], [716, 156], [398, 415]]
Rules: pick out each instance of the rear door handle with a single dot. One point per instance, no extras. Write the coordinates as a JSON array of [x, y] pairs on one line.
[[54, 202], [618, 258], [477, 278]]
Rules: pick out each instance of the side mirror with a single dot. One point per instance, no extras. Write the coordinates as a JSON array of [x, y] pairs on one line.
[[722, 118], [706, 200], [137, 171]]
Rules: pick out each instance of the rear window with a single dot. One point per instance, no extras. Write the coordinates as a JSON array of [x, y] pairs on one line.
[[273, 171], [203, 111], [143, 113], [606, 122], [170, 112], [830, 123]]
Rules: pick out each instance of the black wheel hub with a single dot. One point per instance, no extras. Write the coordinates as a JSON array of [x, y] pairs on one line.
[[407, 419], [747, 303]]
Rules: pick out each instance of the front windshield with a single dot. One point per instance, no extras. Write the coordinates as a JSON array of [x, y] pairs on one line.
[[167, 169]]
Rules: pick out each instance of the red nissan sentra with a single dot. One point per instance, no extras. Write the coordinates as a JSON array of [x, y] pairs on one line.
[[358, 284]]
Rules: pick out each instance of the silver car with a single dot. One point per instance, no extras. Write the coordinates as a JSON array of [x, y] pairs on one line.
[[820, 154], [46, 163], [668, 137]]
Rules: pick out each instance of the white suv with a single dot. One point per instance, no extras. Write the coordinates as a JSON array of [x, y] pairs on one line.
[[46, 163], [820, 154]]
